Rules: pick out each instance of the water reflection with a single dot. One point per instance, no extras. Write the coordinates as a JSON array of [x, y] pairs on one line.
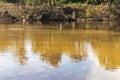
[[53, 44], [108, 53], [47, 44], [67, 49]]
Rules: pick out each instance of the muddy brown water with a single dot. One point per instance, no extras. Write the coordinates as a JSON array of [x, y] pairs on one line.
[[60, 51]]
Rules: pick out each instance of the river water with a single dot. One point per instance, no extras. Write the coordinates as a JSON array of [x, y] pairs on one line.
[[60, 51]]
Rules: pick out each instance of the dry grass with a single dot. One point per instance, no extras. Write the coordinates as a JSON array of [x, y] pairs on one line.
[[11, 8]]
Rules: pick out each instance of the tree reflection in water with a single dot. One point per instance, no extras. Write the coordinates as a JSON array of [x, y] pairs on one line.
[[51, 44]]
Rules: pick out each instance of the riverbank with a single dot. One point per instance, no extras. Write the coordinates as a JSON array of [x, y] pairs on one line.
[[71, 12]]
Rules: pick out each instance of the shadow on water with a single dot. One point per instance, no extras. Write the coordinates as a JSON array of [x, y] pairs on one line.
[[89, 25]]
